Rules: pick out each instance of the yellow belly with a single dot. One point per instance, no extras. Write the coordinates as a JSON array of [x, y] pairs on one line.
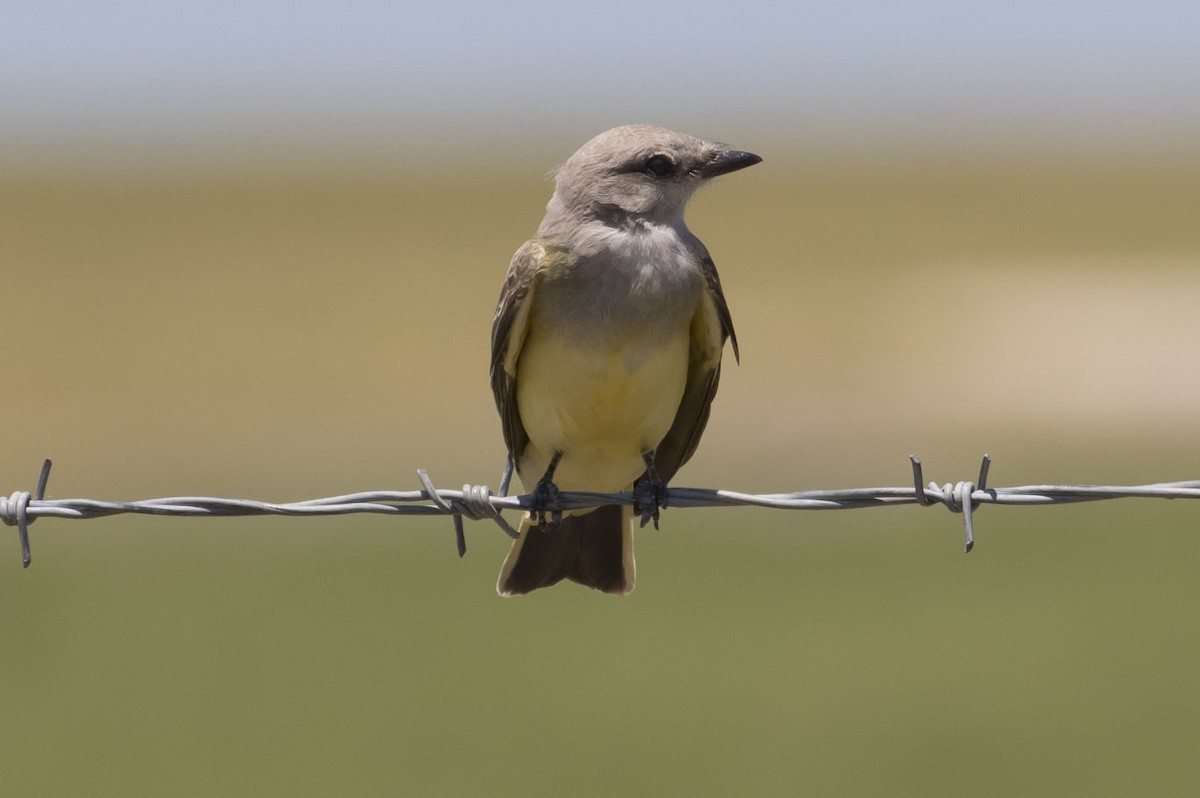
[[601, 407]]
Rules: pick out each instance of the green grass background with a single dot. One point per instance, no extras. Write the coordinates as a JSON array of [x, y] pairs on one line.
[[289, 333]]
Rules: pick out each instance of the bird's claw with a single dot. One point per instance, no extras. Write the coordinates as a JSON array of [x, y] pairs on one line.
[[649, 494], [546, 497]]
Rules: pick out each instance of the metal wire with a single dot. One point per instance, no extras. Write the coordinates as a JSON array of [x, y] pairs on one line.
[[477, 502]]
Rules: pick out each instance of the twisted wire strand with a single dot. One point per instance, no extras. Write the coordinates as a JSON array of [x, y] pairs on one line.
[[477, 502]]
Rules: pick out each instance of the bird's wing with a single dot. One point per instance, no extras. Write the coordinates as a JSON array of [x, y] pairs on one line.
[[711, 327], [508, 336]]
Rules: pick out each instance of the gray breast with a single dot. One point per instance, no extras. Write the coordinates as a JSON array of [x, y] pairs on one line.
[[645, 286]]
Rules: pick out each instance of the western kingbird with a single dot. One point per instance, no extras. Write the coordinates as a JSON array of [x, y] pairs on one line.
[[606, 349]]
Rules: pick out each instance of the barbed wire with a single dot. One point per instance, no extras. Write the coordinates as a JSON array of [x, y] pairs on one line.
[[477, 502]]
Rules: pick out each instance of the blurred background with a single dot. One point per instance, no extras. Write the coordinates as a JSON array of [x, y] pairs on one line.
[[253, 249]]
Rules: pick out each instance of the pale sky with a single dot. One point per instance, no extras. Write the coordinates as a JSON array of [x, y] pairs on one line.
[[166, 73]]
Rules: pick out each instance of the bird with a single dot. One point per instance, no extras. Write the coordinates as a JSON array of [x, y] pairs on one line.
[[606, 350]]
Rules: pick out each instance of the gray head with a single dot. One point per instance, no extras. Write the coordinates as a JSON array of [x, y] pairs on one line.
[[637, 172]]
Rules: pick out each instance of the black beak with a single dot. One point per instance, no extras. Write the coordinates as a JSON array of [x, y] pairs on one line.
[[726, 161]]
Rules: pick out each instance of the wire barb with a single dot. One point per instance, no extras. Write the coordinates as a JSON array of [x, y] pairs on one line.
[[14, 511], [958, 499], [460, 535], [983, 470], [506, 477], [919, 481], [475, 502]]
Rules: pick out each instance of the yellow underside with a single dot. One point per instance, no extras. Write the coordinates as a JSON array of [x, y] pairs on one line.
[[601, 407]]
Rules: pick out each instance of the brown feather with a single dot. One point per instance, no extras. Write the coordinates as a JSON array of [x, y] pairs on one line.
[[704, 374], [508, 334]]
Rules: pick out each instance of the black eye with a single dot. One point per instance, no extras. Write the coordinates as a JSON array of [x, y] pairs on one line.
[[659, 166]]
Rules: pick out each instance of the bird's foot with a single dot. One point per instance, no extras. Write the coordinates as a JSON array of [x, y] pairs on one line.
[[546, 498], [649, 492]]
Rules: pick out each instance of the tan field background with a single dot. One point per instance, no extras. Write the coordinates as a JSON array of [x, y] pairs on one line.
[[282, 334]]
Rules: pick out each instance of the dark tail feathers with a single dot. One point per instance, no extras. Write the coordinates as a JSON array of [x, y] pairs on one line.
[[594, 549]]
